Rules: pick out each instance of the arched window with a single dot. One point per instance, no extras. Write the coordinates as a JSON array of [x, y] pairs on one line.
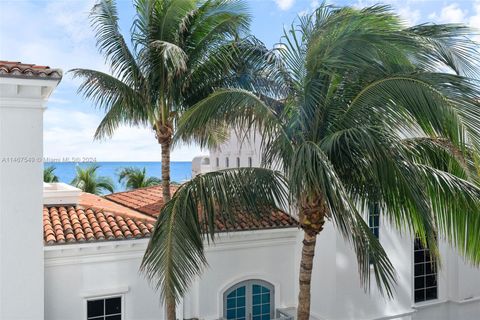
[[249, 300]]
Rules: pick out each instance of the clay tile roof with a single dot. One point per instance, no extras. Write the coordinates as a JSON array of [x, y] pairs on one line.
[[149, 201], [76, 225], [24, 70]]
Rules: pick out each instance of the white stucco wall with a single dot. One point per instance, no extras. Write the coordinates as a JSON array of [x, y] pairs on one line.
[[245, 147], [74, 273], [22, 102]]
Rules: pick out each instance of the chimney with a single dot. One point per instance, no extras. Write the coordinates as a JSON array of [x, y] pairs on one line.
[[60, 193], [24, 91]]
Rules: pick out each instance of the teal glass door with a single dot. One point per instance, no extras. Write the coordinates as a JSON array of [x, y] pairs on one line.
[[236, 304], [249, 300], [261, 308]]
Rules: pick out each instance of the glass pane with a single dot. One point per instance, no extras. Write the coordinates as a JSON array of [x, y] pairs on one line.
[[115, 317], [256, 310], [241, 292], [431, 293], [257, 299], [257, 289], [240, 313], [231, 303], [419, 282], [266, 298], [431, 281], [266, 317], [231, 314], [266, 308], [113, 306], [95, 308], [240, 302], [257, 318], [419, 295]]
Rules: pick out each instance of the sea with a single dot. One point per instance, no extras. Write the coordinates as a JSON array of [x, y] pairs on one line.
[[179, 171]]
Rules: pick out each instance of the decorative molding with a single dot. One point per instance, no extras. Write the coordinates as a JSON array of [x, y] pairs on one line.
[[107, 292], [105, 251]]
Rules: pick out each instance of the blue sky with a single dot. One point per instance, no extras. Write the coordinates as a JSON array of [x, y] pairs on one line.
[[57, 33]]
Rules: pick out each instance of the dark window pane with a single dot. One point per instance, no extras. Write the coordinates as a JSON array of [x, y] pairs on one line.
[[256, 310], [419, 282], [419, 256], [431, 293], [257, 299], [113, 306], [257, 318], [232, 294], [266, 317], [231, 314], [419, 268], [231, 303], [241, 292], [241, 313], [240, 302], [429, 268], [266, 308], [116, 317], [265, 297], [97, 318], [419, 295], [431, 281], [95, 308], [257, 289]]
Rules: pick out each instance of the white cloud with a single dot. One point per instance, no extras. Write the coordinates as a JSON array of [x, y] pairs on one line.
[[409, 15], [284, 4], [451, 13], [69, 134]]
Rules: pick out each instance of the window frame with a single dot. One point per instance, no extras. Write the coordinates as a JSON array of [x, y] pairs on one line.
[[104, 297], [249, 296], [425, 287]]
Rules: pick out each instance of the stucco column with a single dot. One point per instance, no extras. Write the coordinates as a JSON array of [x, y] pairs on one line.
[[22, 101]]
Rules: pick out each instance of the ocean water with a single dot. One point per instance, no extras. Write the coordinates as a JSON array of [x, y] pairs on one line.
[[179, 171]]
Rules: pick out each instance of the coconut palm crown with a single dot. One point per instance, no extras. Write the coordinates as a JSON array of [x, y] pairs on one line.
[[179, 51], [87, 180], [137, 178], [49, 174], [363, 110]]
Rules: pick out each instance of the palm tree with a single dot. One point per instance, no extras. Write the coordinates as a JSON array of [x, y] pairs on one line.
[[364, 111], [49, 174], [180, 50], [137, 178], [88, 181]]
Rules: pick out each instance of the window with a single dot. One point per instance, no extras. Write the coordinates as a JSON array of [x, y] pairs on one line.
[[227, 162], [217, 162], [374, 219], [251, 299], [105, 309], [250, 162], [425, 273], [238, 162]]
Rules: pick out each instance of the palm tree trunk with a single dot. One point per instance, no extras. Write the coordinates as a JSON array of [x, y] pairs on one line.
[[306, 266], [166, 170], [313, 211], [164, 137], [170, 303]]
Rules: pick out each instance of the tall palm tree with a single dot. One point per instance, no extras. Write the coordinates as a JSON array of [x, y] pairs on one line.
[[364, 111], [179, 51], [49, 174], [137, 178], [88, 181]]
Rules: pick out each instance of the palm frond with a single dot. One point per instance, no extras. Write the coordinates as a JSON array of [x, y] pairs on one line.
[[175, 254]]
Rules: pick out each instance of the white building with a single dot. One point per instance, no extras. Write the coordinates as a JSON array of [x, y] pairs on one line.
[[85, 264]]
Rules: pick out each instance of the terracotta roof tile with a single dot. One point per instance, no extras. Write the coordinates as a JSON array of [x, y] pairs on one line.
[[149, 201], [75, 224], [24, 70]]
